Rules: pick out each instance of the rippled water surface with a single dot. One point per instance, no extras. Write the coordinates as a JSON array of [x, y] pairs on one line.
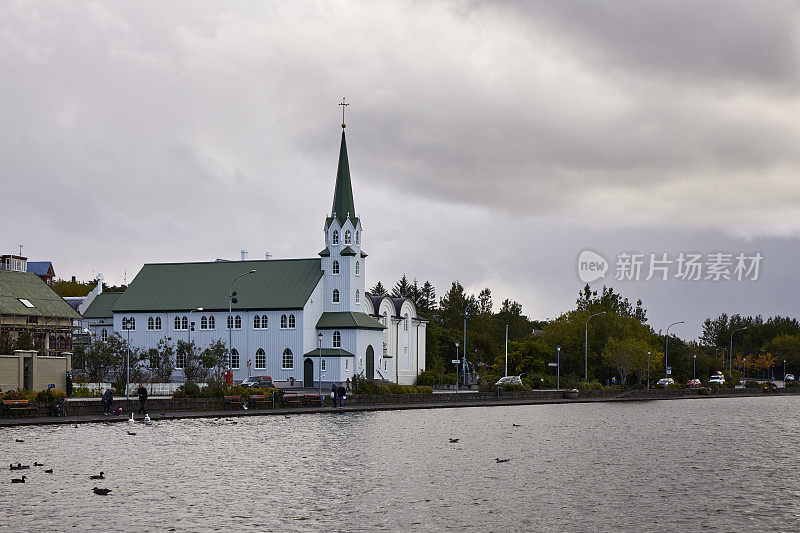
[[722, 464]]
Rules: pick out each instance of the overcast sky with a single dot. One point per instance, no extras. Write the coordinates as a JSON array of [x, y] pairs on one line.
[[488, 143]]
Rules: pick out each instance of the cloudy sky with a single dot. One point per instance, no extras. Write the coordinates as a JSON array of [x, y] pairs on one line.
[[488, 143]]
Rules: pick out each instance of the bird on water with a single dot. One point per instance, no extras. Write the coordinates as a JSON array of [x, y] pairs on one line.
[[498, 460], [18, 480], [101, 476], [453, 440], [101, 492]]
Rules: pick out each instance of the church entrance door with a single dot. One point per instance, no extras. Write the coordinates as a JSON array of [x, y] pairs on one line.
[[370, 362], [308, 373]]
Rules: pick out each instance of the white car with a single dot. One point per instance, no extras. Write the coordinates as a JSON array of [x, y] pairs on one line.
[[716, 379], [665, 382], [509, 380], [788, 377]]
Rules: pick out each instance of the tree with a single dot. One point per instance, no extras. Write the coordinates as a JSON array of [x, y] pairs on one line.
[[192, 365], [215, 358], [610, 302], [402, 289], [6, 343], [378, 290], [627, 356], [24, 341], [161, 360], [485, 302], [428, 297]]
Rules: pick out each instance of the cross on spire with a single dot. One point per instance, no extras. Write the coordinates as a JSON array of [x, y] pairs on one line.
[[343, 104]]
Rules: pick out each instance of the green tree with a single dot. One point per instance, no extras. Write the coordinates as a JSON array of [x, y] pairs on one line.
[[378, 290]]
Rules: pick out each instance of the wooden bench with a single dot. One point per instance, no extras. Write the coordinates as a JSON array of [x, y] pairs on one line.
[[292, 400], [315, 400], [233, 401], [259, 400], [12, 406]]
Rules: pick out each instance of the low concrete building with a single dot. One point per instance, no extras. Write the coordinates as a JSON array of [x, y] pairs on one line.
[[27, 370]]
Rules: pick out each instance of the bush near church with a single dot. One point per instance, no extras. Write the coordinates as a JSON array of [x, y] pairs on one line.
[[217, 389], [362, 385]]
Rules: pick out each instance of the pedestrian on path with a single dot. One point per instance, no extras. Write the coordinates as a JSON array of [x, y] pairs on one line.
[[334, 395], [108, 397], [142, 392], [341, 393]]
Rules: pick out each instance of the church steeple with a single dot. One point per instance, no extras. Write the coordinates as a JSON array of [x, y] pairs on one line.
[[343, 205]]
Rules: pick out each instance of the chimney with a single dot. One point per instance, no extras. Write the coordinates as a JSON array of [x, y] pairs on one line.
[[99, 283], [267, 256], [244, 255]]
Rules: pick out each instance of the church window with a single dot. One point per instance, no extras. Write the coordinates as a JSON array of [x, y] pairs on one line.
[[264, 322], [405, 322], [347, 364], [204, 322], [291, 322], [335, 268], [284, 323], [357, 296], [322, 365], [104, 334], [180, 360], [128, 323], [234, 358], [230, 321], [151, 324], [347, 237], [358, 264], [385, 318], [358, 237], [237, 323], [261, 359], [257, 322], [360, 362], [287, 362], [158, 323], [211, 322], [336, 296], [335, 238], [384, 366], [177, 322], [185, 322], [337, 339]]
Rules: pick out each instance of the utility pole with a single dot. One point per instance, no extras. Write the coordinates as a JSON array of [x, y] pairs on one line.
[[506, 372]]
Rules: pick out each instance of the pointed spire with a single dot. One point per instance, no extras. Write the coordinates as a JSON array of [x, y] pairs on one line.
[[343, 205]]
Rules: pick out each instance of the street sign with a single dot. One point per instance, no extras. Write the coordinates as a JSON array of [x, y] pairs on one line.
[[669, 370], [552, 364], [455, 361]]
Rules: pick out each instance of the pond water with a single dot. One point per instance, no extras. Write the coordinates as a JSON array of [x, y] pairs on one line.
[[723, 464]]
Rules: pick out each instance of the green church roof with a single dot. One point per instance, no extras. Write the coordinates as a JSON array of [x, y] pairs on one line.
[[276, 284], [343, 205], [348, 320], [329, 352], [17, 286], [102, 304], [325, 253], [347, 251]]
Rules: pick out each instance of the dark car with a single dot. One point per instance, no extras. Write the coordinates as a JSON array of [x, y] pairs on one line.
[[261, 382]]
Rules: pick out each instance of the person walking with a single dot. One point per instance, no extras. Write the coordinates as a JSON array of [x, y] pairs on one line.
[[340, 392], [108, 397], [142, 392], [334, 395]]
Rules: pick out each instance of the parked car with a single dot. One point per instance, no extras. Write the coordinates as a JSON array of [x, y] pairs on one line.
[[665, 382], [509, 380], [693, 384], [716, 379], [788, 377], [261, 382]]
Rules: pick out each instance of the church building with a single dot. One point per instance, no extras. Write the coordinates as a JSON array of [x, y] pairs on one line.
[[301, 321]]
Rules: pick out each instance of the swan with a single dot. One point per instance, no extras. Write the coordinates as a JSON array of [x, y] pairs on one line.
[[131, 420], [146, 418]]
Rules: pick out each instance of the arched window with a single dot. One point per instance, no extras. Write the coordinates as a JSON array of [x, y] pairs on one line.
[[358, 265], [151, 324], [356, 295], [234, 358], [237, 324], [256, 321], [131, 323], [264, 323], [405, 322], [230, 321], [335, 238], [284, 323], [104, 334], [358, 237], [204, 322], [185, 323], [261, 359], [336, 296], [386, 318], [211, 322], [337, 339], [335, 268], [347, 237], [287, 362], [322, 365], [291, 322], [158, 323], [177, 322], [180, 360]]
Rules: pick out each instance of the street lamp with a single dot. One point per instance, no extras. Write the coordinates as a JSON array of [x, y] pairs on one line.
[[126, 325], [694, 368], [784, 372], [189, 329], [464, 349], [586, 346], [319, 343], [648, 369], [229, 322], [558, 367], [730, 354], [456, 363], [666, 348]]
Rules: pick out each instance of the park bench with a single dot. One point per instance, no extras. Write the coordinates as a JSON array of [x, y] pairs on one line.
[[315, 400], [292, 400], [233, 401], [18, 406], [260, 400]]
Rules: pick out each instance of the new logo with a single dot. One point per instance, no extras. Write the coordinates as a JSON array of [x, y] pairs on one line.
[[591, 266]]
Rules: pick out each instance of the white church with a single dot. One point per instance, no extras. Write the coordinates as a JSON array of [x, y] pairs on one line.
[[301, 321]]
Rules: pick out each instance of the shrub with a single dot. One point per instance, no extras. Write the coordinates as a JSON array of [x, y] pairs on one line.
[[187, 390], [85, 392], [791, 384], [676, 385], [752, 384], [50, 395], [591, 385]]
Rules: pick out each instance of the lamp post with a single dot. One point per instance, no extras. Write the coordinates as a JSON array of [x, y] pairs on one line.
[[784, 372], [319, 343], [456, 362], [464, 349], [229, 322], [126, 325], [586, 346], [189, 329], [694, 368], [558, 367], [730, 355], [648, 369], [666, 348]]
